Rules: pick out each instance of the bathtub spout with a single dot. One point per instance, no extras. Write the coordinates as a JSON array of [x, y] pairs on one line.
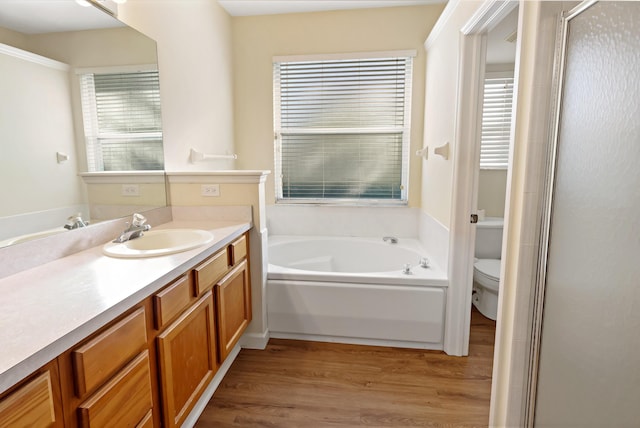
[[390, 239]]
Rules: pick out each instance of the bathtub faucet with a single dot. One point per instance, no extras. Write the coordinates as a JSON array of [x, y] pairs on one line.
[[390, 239]]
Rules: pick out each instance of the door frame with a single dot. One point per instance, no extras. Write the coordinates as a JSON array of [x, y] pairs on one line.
[[468, 125]]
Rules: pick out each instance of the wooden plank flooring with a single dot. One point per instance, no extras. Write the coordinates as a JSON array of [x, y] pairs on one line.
[[310, 384]]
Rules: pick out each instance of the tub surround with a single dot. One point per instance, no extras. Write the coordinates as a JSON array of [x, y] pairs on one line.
[[53, 306], [312, 258], [434, 237], [361, 221], [325, 306], [316, 288], [396, 315]]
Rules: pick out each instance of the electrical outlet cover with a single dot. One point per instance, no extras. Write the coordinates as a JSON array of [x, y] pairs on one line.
[[210, 190]]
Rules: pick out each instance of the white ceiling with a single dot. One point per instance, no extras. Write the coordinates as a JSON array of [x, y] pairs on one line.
[[272, 7]]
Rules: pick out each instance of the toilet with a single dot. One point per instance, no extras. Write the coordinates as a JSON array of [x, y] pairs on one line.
[[486, 268]]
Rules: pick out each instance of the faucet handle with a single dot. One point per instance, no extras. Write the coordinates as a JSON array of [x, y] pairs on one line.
[[138, 220], [75, 222]]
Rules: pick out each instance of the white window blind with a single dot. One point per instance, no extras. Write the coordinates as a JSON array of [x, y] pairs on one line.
[[496, 122], [122, 123], [342, 129]]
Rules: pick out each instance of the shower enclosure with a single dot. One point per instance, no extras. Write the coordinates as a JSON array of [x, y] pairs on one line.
[[587, 371]]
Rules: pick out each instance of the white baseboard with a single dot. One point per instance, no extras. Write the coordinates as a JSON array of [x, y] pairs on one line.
[[255, 340], [358, 341]]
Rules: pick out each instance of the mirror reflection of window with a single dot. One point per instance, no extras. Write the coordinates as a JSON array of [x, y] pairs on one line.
[[122, 123]]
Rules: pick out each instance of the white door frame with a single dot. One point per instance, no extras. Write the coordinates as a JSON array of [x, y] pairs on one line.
[[471, 64]]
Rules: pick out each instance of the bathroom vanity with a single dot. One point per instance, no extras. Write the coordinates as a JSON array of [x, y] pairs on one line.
[[122, 342]]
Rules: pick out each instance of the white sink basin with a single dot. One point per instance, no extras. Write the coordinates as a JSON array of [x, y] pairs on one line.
[[159, 243]]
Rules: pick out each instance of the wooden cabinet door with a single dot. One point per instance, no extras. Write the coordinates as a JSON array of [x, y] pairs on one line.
[[233, 308], [187, 360], [32, 405]]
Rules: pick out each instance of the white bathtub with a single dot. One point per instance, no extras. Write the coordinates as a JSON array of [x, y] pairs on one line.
[[353, 290]]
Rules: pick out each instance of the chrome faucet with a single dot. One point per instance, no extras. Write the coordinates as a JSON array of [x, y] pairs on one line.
[[390, 239], [75, 222], [135, 229]]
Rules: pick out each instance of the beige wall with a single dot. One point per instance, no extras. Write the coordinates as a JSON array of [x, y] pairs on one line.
[[231, 194], [13, 38], [150, 194], [440, 112], [96, 48], [257, 39], [492, 187], [196, 76]]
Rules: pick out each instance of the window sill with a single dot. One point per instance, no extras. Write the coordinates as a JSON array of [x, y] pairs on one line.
[[342, 203]]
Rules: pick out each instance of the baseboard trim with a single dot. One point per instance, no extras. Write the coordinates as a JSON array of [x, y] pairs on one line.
[[255, 340], [358, 341]]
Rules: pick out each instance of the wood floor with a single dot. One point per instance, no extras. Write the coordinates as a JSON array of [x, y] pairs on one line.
[[311, 384]]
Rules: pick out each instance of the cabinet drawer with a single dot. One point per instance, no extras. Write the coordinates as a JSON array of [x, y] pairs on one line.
[[101, 357], [124, 401], [209, 272], [171, 301], [238, 251], [30, 406]]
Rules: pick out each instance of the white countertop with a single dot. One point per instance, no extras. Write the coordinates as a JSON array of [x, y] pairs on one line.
[[46, 310]]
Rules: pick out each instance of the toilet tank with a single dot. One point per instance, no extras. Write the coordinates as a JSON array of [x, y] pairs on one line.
[[489, 238]]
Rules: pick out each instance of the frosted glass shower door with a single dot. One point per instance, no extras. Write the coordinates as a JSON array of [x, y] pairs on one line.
[[589, 367]]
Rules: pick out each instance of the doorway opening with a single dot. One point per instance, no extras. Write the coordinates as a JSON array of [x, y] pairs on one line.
[[493, 161]]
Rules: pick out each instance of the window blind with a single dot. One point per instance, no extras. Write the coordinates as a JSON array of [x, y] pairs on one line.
[[496, 122], [342, 129], [122, 123]]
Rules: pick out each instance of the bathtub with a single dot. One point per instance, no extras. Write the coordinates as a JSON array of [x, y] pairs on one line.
[[353, 290]]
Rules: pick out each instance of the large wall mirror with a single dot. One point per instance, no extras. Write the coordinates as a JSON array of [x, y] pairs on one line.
[[63, 148]]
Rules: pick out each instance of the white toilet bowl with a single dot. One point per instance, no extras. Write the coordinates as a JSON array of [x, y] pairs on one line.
[[486, 281]]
